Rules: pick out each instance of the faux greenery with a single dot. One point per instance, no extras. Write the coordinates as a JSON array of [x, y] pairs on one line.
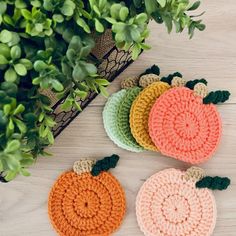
[[46, 45]]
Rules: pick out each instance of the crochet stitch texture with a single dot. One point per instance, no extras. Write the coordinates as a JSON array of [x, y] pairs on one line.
[[83, 205], [169, 205], [139, 113], [116, 119], [183, 127]]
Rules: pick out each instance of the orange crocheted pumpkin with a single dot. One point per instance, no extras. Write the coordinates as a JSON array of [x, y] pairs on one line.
[[86, 205]]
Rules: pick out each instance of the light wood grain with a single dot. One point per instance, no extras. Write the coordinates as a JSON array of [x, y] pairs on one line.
[[210, 54]]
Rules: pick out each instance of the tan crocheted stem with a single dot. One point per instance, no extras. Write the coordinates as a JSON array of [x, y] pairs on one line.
[[178, 82], [148, 79], [129, 82], [200, 89], [194, 173], [83, 166]]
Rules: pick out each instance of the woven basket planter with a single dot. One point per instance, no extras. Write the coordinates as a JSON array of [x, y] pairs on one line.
[[112, 61]]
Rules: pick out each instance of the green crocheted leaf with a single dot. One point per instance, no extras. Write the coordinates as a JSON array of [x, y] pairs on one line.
[[190, 84], [216, 97], [214, 183], [152, 70], [110, 121], [105, 164], [169, 78], [123, 117]]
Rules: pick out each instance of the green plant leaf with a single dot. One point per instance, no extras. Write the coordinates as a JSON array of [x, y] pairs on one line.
[[194, 6], [20, 4], [3, 7], [124, 12], [57, 85], [3, 60], [19, 109], [20, 69], [10, 175], [5, 50], [10, 75], [27, 63], [12, 146], [15, 52], [98, 26], [162, 2], [26, 14], [5, 36]]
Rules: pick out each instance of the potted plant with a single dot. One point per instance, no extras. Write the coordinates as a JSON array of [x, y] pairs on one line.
[[46, 45]]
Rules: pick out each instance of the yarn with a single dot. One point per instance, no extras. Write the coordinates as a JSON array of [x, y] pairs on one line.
[[129, 82], [85, 205], [169, 205], [111, 123], [182, 127], [214, 183], [200, 89], [105, 164], [139, 113], [190, 84], [152, 70], [170, 77], [148, 79], [216, 97], [194, 173], [178, 82], [83, 165]]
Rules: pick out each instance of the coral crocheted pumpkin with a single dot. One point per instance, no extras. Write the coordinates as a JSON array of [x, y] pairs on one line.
[[182, 127]]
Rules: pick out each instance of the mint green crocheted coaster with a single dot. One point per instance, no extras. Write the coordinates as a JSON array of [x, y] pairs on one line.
[[110, 121], [123, 117]]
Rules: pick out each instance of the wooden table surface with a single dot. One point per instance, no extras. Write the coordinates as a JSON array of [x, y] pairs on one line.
[[210, 54]]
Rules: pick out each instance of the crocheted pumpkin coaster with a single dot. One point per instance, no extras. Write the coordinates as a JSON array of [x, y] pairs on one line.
[[183, 127], [169, 203], [87, 203], [116, 119], [139, 113]]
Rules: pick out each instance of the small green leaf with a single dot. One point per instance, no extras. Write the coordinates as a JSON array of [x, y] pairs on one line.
[[26, 14], [124, 12], [7, 109], [40, 65], [5, 36], [162, 2], [21, 126], [98, 25], [19, 109], [57, 85], [15, 52], [20, 4], [24, 172], [12, 146], [27, 63], [3, 60], [58, 18], [10, 75], [3, 7], [10, 175], [194, 6], [20, 69]]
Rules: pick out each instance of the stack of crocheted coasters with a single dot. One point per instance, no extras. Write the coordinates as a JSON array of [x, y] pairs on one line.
[[168, 114], [174, 202], [87, 200]]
